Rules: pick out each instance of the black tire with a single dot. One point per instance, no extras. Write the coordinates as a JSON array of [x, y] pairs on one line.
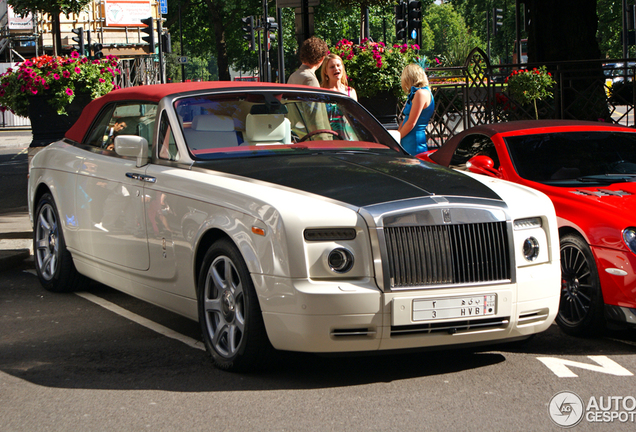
[[53, 262], [581, 310], [229, 313]]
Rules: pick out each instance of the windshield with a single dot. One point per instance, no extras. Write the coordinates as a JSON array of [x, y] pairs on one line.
[[564, 158], [265, 123]]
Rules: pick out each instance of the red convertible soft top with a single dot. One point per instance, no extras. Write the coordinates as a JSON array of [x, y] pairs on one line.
[[154, 93]]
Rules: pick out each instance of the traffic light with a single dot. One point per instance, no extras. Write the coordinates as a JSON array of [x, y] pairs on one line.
[[97, 50], [80, 40], [166, 43], [415, 19], [150, 32], [497, 20], [272, 27], [400, 22], [248, 28]]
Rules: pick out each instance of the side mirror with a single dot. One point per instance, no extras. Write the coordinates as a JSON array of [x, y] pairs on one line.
[[482, 164], [132, 146]]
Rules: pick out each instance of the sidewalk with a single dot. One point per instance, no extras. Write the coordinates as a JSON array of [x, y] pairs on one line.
[[16, 233]]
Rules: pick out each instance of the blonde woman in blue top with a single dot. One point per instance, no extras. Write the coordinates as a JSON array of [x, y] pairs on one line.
[[418, 110]]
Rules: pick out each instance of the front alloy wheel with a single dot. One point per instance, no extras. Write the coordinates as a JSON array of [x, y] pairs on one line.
[[230, 318], [224, 307], [581, 310]]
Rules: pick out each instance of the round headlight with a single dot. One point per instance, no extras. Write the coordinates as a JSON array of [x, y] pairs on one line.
[[531, 249], [340, 260], [629, 236]]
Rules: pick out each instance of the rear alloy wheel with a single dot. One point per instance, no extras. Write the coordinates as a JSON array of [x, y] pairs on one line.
[[581, 311], [53, 262], [229, 314]]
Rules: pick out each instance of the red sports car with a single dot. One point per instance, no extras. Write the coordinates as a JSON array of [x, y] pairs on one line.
[[588, 169]]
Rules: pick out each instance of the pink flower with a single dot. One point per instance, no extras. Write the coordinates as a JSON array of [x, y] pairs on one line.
[[28, 63], [66, 74], [101, 80], [69, 91], [56, 76], [75, 54], [34, 91], [77, 70]]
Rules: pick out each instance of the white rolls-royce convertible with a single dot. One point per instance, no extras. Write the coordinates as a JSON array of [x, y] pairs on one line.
[[287, 218]]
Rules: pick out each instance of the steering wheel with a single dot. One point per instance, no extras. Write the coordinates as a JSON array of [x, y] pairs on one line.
[[319, 131]]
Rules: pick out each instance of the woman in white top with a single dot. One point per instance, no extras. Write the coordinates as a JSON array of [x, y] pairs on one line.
[[334, 77]]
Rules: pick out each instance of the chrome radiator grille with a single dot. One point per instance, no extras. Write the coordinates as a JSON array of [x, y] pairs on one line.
[[447, 254]]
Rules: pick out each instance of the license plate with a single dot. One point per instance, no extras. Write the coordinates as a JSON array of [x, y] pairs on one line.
[[454, 307]]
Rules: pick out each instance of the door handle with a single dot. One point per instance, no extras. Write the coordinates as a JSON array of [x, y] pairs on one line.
[[141, 177]]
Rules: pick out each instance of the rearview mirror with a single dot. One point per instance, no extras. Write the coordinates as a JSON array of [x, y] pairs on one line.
[[482, 164], [132, 146]]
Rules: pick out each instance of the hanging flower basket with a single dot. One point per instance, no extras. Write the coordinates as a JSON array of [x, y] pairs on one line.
[[52, 91]]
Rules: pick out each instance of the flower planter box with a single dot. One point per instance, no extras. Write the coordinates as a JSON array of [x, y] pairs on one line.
[[47, 125]]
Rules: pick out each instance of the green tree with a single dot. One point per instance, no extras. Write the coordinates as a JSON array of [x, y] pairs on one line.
[[452, 39], [478, 17], [213, 28], [361, 5], [53, 8], [610, 29]]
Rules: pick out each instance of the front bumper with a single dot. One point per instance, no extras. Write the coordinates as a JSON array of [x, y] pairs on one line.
[[310, 316]]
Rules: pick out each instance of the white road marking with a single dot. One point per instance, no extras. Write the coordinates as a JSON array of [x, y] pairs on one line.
[[142, 321], [607, 366]]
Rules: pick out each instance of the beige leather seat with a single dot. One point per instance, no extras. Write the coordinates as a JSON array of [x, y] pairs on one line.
[[264, 129], [211, 131]]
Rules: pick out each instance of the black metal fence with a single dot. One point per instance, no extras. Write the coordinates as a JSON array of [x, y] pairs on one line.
[[476, 93]]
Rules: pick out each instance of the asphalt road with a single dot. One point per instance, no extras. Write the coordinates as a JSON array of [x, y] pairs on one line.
[[101, 360], [67, 363]]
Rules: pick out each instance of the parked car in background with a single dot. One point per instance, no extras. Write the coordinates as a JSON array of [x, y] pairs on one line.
[[287, 217], [588, 169]]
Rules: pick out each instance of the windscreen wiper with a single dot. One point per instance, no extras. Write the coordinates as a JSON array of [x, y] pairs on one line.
[[608, 178]]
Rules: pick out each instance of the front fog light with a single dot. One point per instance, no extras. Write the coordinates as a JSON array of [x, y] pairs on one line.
[[531, 249], [340, 260], [629, 236]]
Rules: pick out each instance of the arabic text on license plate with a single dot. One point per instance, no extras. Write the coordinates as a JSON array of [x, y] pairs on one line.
[[454, 307]]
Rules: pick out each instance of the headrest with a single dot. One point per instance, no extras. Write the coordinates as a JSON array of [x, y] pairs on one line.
[[277, 108], [265, 127], [212, 123]]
